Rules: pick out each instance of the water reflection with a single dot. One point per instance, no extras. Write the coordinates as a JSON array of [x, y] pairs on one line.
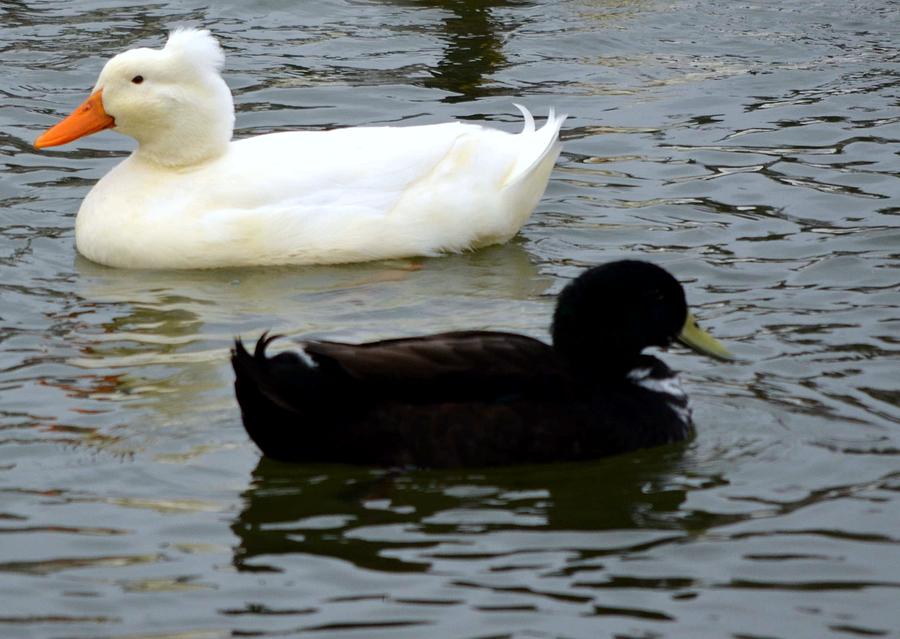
[[404, 522], [159, 340], [474, 37], [500, 272]]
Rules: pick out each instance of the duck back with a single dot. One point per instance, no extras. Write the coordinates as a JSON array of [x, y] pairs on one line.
[[449, 400]]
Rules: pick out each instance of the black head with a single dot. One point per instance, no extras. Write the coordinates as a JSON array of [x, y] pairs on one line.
[[610, 313]]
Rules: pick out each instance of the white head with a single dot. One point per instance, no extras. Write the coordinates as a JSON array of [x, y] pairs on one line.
[[171, 100]]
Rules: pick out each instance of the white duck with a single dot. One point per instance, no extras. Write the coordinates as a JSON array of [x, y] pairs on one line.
[[189, 197]]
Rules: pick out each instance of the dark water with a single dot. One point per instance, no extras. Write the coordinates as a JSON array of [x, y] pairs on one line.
[[750, 147]]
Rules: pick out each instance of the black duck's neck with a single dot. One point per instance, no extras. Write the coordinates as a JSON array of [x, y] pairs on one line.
[[596, 362]]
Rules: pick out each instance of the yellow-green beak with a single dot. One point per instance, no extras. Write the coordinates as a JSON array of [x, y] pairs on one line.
[[700, 341]]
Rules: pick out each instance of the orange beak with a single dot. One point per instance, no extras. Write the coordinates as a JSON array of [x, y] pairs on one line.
[[86, 119]]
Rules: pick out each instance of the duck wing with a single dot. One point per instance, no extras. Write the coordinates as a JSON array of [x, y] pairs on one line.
[[456, 366]]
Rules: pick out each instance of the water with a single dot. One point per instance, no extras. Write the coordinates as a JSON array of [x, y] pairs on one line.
[[751, 148]]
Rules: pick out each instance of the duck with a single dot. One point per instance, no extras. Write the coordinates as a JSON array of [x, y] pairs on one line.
[[191, 197], [479, 398]]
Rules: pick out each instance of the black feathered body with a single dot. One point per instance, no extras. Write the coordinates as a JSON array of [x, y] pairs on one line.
[[471, 398]]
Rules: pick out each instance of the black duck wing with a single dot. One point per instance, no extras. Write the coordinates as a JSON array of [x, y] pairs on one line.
[[457, 366]]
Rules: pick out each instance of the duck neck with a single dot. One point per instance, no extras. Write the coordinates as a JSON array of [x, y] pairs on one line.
[[599, 367], [600, 354], [180, 146]]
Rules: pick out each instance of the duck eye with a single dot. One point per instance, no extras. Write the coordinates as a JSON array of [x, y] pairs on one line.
[[137, 79]]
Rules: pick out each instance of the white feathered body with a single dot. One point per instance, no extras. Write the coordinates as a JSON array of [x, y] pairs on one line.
[[325, 197]]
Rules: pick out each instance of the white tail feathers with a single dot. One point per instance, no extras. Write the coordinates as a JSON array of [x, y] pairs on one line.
[[529, 119], [544, 145]]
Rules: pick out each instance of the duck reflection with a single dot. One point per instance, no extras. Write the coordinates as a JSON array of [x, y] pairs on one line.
[[294, 295], [394, 522], [152, 346], [474, 37]]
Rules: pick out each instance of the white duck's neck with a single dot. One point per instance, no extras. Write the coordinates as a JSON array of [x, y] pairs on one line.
[[171, 150], [194, 131]]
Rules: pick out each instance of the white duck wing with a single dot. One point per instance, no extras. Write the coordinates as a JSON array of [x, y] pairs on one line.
[[420, 190]]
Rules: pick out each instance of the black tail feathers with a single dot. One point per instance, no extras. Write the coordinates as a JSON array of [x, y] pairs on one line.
[[285, 399]]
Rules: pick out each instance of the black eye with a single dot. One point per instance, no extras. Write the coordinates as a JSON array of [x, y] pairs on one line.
[[137, 79]]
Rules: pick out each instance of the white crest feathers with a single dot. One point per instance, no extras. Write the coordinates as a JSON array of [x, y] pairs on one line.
[[198, 46]]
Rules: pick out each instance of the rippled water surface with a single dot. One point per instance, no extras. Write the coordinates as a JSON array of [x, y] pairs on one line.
[[750, 147]]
